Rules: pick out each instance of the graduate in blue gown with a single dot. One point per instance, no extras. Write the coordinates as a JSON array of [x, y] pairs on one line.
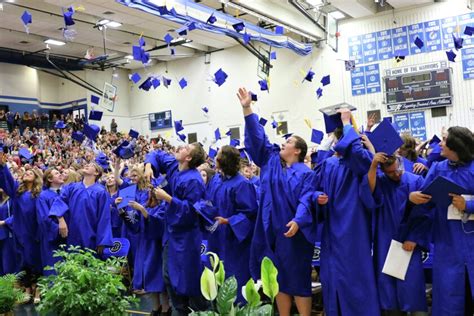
[[181, 255], [387, 193], [52, 231], [112, 187], [8, 254], [235, 199], [347, 272], [23, 221], [85, 207], [282, 232], [148, 224], [453, 263]]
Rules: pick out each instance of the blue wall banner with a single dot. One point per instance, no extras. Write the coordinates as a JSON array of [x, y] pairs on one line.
[[401, 122], [414, 31], [400, 41], [358, 81], [372, 78], [369, 44], [384, 45], [417, 125], [355, 49], [449, 26], [463, 21], [468, 63], [432, 36]]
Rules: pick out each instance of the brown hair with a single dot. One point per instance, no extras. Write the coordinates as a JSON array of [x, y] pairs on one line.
[[142, 182], [198, 156], [37, 186], [390, 161], [47, 176], [409, 147], [300, 144], [229, 160], [72, 176]]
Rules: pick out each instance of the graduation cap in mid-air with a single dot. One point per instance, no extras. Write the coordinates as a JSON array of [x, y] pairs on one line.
[[332, 118], [262, 121], [95, 115], [60, 125], [316, 136], [326, 80], [309, 76], [385, 138], [238, 27], [419, 43], [458, 42], [220, 77], [91, 131], [451, 56], [183, 83]]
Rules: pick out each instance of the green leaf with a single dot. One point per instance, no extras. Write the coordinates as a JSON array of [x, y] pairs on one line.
[[251, 294], [214, 259], [208, 284], [265, 310], [226, 296], [269, 278], [220, 275]]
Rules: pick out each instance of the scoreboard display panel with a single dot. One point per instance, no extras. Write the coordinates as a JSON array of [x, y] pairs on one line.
[[418, 90], [160, 120]]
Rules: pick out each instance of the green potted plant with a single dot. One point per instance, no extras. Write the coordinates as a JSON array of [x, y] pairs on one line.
[[223, 293], [10, 294], [84, 285]]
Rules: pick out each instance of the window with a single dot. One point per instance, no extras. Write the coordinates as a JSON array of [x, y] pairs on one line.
[[192, 138], [438, 112], [235, 133], [282, 128]]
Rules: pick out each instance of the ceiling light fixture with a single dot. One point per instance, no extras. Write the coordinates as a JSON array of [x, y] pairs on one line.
[[106, 22], [54, 42], [337, 15]]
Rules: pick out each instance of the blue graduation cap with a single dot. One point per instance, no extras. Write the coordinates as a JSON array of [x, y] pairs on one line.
[[434, 140], [26, 18], [458, 41], [262, 121], [309, 75], [319, 92], [246, 37], [229, 133], [212, 19], [68, 20], [183, 83], [212, 153], [135, 77], [155, 82], [206, 210], [205, 109], [286, 136], [146, 85], [274, 124], [244, 154], [95, 99], [91, 131], [182, 30], [25, 153], [451, 55], [173, 51], [191, 26], [419, 43], [234, 142], [469, 30], [254, 96], [163, 10], [133, 133], [439, 189], [385, 138], [95, 115], [326, 80], [332, 119], [263, 85], [181, 136], [279, 30], [238, 27], [388, 118], [217, 134], [78, 136], [125, 150], [168, 38], [399, 58], [120, 248], [127, 194], [166, 82], [273, 55], [60, 125], [103, 161], [141, 41], [316, 136], [178, 126], [219, 77]]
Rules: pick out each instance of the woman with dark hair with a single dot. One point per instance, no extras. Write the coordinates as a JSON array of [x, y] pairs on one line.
[[453, 265], [284, 232], [412, 162], [8, 255], [235, 200], [207, 174]]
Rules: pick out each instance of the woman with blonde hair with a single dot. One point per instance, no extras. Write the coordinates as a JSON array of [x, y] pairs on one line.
[[23, 221]]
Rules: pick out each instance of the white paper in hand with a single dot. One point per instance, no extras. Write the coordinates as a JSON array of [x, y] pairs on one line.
[[396, 263], [455, 214]]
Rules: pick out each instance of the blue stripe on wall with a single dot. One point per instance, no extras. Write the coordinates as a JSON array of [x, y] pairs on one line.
[[21, 107]]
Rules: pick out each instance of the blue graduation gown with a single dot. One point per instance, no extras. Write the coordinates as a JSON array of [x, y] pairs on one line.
[[281, 188], [182, 231], [235, 199], [8, 253], [87, 214], [23, 222], [453, 247], [347, 272], [390, 203], [148, 272], [48, 228]]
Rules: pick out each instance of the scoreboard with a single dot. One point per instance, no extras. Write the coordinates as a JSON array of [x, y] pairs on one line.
[[160, 120], [418, 87]]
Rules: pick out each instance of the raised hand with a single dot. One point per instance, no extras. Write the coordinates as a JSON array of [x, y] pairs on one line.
[[244, 97]]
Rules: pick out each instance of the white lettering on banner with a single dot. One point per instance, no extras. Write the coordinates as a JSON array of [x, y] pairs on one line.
[[415, 68]]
